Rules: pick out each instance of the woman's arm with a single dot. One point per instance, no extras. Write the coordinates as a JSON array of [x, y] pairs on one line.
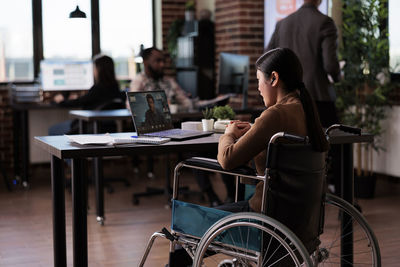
[[254, 141], [88, 98]]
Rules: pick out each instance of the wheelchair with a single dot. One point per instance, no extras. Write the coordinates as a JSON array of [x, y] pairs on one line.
[[299, 224]]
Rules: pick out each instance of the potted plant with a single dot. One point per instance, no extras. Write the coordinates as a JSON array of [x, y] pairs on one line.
[[208, 121], [175, 31], [190, 7], [224, 115], [173, 105], [363, 93]]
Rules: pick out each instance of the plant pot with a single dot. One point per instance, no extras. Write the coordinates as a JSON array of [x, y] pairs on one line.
[[208, 125], [364, 186], [173, 108], [189, 15]]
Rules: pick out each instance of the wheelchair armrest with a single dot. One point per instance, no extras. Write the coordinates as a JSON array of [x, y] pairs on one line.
[[212, 164]]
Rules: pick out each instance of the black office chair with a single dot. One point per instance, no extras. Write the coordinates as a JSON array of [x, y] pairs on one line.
[[3, 172]]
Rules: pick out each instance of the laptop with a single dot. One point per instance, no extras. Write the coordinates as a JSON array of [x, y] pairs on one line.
[[152, 117]]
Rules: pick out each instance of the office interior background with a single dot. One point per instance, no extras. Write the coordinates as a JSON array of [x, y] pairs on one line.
[[33, 30]]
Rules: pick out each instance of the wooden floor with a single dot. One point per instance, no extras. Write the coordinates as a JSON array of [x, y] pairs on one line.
[[26, 221]]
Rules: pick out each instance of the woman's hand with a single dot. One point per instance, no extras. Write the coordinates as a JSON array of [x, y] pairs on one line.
[[237, 128]]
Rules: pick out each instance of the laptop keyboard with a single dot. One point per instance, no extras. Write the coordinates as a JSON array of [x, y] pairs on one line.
[[170, 132]]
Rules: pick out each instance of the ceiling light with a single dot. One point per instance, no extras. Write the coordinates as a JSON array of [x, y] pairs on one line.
[[77, 13]]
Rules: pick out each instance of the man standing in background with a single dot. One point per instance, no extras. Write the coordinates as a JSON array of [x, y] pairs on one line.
[[313, 37]]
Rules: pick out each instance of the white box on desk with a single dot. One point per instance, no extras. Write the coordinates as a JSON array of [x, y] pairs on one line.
[[192, 125]]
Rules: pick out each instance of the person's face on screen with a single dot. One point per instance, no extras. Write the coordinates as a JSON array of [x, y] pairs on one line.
[[150, 102], [155, 65], [266, 89]]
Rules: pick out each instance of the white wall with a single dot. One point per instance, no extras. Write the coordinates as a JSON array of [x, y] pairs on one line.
[[388, 161], [38, 125], [158, 22]]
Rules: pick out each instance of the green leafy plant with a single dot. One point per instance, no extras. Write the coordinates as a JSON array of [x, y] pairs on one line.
[[190, 5], [208, 113], [175, 30], [363, 93], [224, 113]]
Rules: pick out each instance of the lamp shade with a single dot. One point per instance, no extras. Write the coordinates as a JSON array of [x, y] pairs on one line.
[[77, 13]]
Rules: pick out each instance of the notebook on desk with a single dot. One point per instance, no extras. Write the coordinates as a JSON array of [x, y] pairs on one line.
[[152, 117]]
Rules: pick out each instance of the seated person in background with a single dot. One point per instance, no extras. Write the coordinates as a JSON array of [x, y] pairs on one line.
[[152, 78], [105, 89], [290, 109], [153, 116]]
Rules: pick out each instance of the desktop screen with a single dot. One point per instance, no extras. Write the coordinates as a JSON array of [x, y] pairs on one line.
[[233, 75], [62, 75]]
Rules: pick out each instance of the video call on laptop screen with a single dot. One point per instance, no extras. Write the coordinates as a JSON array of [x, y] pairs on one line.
[[150, 111]]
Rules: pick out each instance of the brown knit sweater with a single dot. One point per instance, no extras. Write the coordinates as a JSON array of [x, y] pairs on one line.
[[285, 116]]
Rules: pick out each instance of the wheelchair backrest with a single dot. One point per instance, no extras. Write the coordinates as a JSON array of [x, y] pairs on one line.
[[296, 189]]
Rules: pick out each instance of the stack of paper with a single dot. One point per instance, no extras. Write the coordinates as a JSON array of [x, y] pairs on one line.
[[107, 139]]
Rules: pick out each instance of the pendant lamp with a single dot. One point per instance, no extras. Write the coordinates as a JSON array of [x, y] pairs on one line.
[[77, 13]]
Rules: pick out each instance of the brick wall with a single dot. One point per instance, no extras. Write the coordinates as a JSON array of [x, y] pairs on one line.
[[6, 137], [170, 11], [239, 29]]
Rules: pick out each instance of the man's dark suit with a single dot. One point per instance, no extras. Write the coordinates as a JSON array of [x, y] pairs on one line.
[[313, 37]]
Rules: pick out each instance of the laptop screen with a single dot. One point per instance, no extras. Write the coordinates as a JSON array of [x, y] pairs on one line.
[[150, 111]]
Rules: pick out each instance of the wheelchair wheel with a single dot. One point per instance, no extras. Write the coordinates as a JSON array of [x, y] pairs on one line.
[[250, 239], [356, 235]]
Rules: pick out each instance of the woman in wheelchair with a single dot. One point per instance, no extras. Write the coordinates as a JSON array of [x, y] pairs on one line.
[[289, 108]]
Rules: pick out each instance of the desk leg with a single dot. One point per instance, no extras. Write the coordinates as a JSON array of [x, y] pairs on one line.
[[25, 148], [347, 193], [98, 179], [58, 195], [17, 148], [99, 184], [79, 215]]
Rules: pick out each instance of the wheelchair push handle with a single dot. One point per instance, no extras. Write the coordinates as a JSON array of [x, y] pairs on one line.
[[344, 128]]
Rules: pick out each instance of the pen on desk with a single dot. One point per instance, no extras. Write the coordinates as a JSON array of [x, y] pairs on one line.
[[134, 136]]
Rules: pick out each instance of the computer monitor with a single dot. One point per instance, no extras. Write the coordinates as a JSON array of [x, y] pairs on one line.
[[65, 75], [233, 75]]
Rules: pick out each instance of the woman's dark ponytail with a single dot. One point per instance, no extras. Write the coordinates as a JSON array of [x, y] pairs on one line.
[[314, 127], [287, 64]]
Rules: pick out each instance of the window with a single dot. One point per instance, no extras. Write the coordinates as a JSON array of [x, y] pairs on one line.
[[124, 26], [65, 38], [16, 42], [394, 35]]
